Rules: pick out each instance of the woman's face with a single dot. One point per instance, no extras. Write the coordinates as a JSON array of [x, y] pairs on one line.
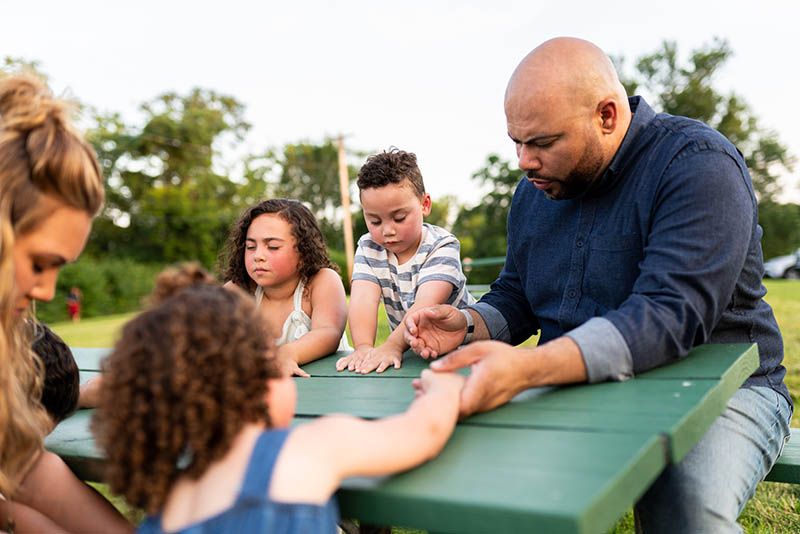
[[40, 253]]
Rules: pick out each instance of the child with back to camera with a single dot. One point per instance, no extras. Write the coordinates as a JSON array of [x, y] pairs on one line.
[[410, 264], [276, 252], [193, 390], [61, 386]]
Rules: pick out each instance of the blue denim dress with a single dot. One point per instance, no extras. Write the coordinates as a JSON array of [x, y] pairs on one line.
[[253, 511]]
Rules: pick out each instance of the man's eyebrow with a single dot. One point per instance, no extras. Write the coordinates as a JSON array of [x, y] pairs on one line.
[[534, 138]]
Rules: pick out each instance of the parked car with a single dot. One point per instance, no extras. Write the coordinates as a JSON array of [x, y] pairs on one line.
[[783, 266]]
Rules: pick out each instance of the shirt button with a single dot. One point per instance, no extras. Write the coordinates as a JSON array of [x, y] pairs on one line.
[[572, 293], [579, 243]]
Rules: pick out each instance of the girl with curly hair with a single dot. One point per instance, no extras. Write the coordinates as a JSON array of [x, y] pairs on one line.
[[194, 418], [277, 253], [50, 189]]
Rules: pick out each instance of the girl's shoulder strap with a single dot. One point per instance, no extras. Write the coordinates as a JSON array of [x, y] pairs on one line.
[[262, 461], [298, 295]]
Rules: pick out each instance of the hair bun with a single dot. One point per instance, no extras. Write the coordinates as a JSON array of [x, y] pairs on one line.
[[26, 103], [173, 280]]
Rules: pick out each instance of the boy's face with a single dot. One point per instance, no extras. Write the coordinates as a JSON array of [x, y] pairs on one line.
[[394, 217]]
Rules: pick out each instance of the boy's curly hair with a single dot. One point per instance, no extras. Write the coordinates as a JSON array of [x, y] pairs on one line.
[[391, 167], [183, 379], [309, 241]]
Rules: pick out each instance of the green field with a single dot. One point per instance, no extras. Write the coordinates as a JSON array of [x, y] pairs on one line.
[[774, 510]]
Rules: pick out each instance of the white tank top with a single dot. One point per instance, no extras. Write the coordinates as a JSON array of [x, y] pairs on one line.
[[298, 323]]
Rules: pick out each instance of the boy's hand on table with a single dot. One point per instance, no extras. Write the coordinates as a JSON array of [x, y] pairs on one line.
[[379, 359], [350, 361]]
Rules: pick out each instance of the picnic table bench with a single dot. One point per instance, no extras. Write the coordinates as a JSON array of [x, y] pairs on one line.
[[558, 460]]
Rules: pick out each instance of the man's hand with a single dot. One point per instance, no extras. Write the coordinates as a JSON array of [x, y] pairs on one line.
[[500, 371], [436, 330], [495, 377]]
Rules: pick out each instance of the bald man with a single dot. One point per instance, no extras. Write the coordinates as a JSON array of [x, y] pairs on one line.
[[632, 238]]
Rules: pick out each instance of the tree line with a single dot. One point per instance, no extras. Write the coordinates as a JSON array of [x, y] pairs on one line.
[[173, 192]]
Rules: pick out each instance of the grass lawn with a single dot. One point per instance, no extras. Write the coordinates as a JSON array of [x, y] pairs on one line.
[[775, 509]]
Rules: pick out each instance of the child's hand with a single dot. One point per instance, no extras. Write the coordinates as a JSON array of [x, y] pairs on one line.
[[379, 359], [449, 384], [349, 362], [287, 363]]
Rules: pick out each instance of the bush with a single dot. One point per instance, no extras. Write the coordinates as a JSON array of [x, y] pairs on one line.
[[109, 286]]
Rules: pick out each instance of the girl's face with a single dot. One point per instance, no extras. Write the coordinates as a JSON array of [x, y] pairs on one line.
[[270, 256], [40, 253]]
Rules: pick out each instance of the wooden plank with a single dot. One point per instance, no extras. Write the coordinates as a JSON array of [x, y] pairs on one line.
[[513, 480], [711, 361], [73, 441], [88, 359], [787, 468]]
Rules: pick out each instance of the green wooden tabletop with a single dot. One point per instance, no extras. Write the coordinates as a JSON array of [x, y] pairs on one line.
[[570, 459]]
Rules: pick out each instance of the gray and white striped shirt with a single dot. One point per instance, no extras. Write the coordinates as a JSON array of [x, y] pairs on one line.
[[437, 258]]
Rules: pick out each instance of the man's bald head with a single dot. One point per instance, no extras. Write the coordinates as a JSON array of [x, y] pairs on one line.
[[567, 113], [565, 71]]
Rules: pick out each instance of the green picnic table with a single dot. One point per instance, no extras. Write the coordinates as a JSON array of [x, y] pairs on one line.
[[556, 460]]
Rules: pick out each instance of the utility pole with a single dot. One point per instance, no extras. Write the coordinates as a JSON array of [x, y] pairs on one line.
[[347, 223]]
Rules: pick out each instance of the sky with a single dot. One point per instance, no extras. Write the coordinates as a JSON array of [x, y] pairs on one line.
[[425, 76]]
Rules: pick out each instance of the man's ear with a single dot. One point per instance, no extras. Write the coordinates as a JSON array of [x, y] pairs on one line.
[[608, 114], [426, 205]]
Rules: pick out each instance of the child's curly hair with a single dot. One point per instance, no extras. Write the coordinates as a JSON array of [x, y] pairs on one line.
[[393, 166], [309, 241], [183, 379]]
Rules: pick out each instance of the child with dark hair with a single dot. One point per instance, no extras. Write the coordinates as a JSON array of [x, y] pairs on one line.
[[276, 252], [406, 262], [61, 378], [194, 392]]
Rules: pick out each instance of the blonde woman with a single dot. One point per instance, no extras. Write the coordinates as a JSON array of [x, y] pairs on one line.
[[50, 189]]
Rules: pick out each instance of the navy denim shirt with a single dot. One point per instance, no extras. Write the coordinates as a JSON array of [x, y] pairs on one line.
[[663, 253]]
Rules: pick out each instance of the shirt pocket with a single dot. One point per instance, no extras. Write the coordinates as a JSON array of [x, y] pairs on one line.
[[612, 266]]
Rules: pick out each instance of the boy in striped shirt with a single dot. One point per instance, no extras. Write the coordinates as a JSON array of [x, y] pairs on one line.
[[407, 263]]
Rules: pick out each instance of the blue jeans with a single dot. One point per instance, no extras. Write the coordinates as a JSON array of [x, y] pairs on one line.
[[708, 489]]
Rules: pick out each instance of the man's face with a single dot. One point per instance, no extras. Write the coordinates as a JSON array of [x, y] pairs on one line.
[[559, 150]]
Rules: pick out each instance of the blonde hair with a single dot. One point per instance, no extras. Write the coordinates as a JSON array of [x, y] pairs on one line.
[[42, 161]]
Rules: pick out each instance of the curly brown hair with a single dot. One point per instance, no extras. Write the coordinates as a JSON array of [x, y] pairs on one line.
[[391, 167], [309, 241], [182, 381]]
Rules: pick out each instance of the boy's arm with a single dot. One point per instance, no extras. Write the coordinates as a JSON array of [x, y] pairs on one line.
[[356, 447], [391, 351], [362, 317], [328, 318]]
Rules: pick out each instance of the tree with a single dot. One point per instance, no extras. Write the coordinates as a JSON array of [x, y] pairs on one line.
[[310, 172], [482, 229], [165, 199], [688, 90]]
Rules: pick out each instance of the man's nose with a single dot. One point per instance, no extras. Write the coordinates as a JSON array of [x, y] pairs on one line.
[[528, 159]]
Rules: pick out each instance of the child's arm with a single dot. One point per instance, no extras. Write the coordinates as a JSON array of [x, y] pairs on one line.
[[328, 319], [391, 351], [365, 296], [317, 456]]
